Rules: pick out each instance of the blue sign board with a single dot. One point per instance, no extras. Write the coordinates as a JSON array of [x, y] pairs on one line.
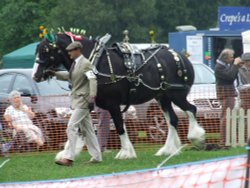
[[234, 18]]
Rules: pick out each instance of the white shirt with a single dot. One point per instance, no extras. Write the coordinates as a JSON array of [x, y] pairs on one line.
[[89, 74], [18, 117], [78, 59]]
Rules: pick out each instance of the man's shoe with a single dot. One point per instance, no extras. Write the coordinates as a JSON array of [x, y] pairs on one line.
[[64, 162]]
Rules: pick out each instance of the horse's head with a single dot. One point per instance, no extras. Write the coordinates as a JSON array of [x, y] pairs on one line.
[[48, 56], [51, 53]]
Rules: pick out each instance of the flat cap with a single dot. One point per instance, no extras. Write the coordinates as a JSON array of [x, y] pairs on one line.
[[245, 56], [74, 45]]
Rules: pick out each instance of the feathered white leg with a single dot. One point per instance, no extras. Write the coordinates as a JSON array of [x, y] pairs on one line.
[[127, 150], [173, 142], [80, 142], [196, 134]]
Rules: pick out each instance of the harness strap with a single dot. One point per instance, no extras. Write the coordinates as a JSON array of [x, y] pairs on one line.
[[181, 72], [112, 77], [184, 69], [160, 69]]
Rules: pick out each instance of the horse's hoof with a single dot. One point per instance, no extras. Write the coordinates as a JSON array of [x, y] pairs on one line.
[[125, 154], [166, 152], [198, 143]]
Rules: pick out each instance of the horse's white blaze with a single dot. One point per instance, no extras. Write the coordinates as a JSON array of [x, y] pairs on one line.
[[195, 131], [35, 66], [34, 70], [127, 150], [80, 142], [172, 143]]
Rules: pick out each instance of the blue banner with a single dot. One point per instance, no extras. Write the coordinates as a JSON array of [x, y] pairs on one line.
[[234, 18]]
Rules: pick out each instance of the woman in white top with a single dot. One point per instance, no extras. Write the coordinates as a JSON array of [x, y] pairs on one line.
[[19, 116]]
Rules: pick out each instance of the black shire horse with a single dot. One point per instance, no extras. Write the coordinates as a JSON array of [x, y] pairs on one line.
[[162, 74]]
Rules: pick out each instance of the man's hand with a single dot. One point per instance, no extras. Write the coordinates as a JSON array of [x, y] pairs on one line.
[[237, 61], [50, 72], [91, 102]]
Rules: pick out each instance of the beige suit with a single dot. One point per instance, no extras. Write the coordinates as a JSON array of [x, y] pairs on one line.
[[82, 88]]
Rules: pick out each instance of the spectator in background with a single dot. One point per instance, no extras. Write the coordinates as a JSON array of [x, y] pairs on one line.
[[244, 80], [103, 128], [226, 71], [19, 116], [244, 71]]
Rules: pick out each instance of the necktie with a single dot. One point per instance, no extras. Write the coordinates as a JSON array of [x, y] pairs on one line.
[[71, 69]]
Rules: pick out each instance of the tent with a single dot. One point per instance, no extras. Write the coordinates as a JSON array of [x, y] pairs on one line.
[[21, 58]]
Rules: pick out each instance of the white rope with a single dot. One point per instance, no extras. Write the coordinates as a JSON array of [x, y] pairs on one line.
[[169, 157], [4, 163]]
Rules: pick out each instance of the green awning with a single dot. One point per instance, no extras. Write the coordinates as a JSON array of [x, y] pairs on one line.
[[21, 58]]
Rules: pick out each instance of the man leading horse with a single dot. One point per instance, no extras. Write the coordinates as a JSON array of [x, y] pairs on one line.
[[83, 92]]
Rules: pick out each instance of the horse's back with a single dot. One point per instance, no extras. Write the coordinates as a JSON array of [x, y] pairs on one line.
[[155, 77]]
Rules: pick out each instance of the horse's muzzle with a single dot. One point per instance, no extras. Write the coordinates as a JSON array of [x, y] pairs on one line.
[[36, 79], [39, 61]]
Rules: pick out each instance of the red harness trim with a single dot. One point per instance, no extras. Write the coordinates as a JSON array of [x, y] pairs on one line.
[[73, 36]]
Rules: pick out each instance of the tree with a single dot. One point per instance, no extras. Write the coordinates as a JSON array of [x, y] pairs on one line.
[[93, 16], [20, 20], [106, 16]]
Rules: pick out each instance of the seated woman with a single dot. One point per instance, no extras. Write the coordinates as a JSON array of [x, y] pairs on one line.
[[19, 116]]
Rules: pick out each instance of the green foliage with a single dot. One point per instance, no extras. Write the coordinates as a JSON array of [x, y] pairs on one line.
[[20, 20]]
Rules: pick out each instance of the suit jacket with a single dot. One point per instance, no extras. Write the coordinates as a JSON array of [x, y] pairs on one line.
[[244, 74], [82, 86], [225, 76]]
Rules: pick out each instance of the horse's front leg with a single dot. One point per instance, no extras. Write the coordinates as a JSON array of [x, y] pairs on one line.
[[127, 150], [173, 142]]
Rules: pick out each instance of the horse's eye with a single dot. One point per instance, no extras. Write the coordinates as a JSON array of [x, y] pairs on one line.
[[52, 58]]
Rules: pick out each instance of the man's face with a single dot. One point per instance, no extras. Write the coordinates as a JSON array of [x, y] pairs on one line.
[[75, 53], [230, 58], [247, 63]]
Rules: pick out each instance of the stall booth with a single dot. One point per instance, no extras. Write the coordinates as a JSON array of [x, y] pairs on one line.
[[204, 46]]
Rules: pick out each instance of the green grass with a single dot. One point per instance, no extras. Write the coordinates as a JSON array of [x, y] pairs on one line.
[[41, 166]]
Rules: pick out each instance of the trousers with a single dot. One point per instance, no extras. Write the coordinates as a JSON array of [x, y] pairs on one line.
[[80, 119], [228, 102], [103, 128]]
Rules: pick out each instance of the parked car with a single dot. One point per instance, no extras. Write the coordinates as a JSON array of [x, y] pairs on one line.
[[43, 98]]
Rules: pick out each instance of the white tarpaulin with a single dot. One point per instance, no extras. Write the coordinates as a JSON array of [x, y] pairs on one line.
[[246, 41]]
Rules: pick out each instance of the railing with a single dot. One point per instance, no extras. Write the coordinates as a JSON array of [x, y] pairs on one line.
[[237, 127], [145, 123]]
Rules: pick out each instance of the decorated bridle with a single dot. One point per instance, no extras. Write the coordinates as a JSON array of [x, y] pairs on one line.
[[52, 46]]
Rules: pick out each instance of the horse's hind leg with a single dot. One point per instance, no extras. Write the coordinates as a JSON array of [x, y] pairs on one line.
[[173, 142], [127, 150], [196, 134]]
